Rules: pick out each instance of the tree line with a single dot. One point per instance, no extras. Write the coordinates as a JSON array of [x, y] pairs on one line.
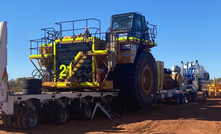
[[17, 84]]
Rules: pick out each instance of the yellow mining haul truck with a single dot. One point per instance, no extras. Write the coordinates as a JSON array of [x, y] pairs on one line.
[[80, 69], [86, 59]]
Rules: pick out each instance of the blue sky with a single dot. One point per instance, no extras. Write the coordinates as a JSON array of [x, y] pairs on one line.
[[187, 29]]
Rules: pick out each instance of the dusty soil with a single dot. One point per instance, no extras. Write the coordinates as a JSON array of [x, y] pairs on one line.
[[202, 117]]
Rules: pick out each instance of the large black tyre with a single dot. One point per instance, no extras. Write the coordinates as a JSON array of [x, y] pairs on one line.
[[52, 116], [193, 96], [138, 81], [32, 91], [85, 112], [30, 119], [4, 120], [189, 97], [12, 121], [182, 99], [177, 100], [32, 86], [204, 96], [75, 114], [61, 116], [44, 117], [19, 119]]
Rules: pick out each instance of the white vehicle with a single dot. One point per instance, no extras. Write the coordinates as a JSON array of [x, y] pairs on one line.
[[182, 84]]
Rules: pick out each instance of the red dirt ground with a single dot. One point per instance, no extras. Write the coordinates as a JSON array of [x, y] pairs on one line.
[[202, 117]]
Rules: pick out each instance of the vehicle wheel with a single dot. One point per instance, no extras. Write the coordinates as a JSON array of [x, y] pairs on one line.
[[189, 97], [75, 114], [138, 81], [19, 119], [193, 97], [51, 116], [107, 108], [44, 118], [165, 103], [4, 120], [177, 100], [207, 95], [30, 119], [204, 96], [85, 112], [32, 86], [158, 102], [182, 100], [61, 116], [120, 109], [12, 121]]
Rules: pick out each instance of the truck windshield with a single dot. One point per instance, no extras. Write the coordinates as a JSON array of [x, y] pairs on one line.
[[122, 22]]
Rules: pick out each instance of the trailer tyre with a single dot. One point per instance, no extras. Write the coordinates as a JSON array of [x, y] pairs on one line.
[[119, 109], [44, 117], [61, 116], [4, 120], [32, 86], [166, 103], [182, 99], [19, 119], [30, 119], [189, 97], [204, 96], [85, 112], [12, 121], [138, 81], [75, 114], [52, 116], [193, 97], [177, 100]]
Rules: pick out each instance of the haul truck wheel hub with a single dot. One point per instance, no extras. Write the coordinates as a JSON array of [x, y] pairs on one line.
[[147, 80]]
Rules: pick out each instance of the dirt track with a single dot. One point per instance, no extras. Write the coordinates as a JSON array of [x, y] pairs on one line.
[[203, 117]]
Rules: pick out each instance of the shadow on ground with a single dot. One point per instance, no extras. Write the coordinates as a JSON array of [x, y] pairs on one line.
[[201, 110]]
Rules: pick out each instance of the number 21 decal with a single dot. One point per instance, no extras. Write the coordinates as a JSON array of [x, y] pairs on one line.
[[64, 69]]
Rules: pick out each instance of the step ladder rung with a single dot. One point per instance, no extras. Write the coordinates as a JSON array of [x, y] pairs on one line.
[[79, 61], [84, 57]]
